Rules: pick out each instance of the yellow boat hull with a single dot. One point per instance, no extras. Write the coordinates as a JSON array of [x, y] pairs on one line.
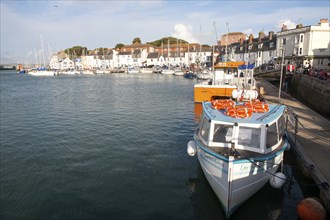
[[210, 92]]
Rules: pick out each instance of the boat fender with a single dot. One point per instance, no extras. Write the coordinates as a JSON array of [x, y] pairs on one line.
[[311, 208], [277, 180], [191, 148], [288, 148]]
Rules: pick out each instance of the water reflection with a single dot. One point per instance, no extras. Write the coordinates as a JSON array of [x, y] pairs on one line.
[[198, 109]]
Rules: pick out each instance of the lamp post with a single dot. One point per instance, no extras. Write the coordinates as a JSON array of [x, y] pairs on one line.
[[282, 65]]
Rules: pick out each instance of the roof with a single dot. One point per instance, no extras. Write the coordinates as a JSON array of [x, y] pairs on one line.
[[152, 56], [124, 53], [275, 111]]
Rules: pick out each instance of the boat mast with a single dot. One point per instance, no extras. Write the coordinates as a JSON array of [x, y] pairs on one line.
[[180, 53], [200, 46], [177, 50], [226, 55], [188, 56], [215, 32], [168, 52], [43, 52], [213, 71], [36, 56]]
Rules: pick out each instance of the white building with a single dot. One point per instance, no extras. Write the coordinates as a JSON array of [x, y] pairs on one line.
[[124, 59], [54, 62], [152, 59], [303, 45], [88, 62], [67, 64]]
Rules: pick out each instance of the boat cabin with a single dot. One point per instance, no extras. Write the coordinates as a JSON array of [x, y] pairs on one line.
[[261, 133]]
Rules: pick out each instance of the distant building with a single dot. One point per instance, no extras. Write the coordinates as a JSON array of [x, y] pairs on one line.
[[130, 48], [231, 38]]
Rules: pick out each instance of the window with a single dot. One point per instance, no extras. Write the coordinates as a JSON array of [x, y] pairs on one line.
[[204, 130], [223, 133], [271, 138], [270, 54], [249, 137], [283, 41], [259, 54], [271, 44], [281, 126], [301, 38], [260, 46], [296, 39], [300, 51]]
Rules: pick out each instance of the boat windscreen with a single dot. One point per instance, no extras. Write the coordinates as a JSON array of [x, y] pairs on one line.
[[223, 133], [249, 137], [271, 138]]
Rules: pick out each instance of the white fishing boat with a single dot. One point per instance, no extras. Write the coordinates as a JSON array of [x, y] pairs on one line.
[[69, 72], [87, 72], [167, 72], [146, 70], [133, 70], [42, 72], [240, 146], [178, 72]]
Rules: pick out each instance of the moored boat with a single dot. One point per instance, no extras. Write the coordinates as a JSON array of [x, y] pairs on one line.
[[240, 146], [167, 72], [133, 70], [225, 80], [146, 70], [87, 72], [43, 72]]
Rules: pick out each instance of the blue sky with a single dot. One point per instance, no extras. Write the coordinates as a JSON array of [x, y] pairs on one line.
[[64, 24]]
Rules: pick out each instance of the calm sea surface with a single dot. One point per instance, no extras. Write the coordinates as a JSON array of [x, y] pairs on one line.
[[112, 147]]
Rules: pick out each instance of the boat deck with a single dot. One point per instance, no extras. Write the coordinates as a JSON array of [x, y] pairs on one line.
[[274, 112]]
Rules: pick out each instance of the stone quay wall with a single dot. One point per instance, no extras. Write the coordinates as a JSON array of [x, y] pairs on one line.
[[312, 91]]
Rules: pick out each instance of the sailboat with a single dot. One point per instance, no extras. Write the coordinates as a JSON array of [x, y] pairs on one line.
[[42, 71], [168, 71]]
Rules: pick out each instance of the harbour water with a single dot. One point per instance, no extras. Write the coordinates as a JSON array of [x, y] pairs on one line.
[[113, 147]]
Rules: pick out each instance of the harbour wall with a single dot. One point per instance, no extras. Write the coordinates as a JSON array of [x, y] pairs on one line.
[[312, 91]]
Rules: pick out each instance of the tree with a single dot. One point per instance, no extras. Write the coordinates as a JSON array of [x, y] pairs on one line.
[[119, 46], [136, 40], [75, 51]]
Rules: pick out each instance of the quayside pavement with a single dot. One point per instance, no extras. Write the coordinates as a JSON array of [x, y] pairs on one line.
[[311, 138]]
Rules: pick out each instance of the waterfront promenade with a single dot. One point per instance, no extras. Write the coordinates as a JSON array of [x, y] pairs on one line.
[[311, 141]]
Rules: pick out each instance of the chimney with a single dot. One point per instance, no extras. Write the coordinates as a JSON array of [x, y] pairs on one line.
[[284, 27], [250, 38], [271, 34], [299, 26], [241, 41], [324, 20], [261, 35]]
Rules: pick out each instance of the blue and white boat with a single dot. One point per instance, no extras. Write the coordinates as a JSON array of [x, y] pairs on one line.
[[240, 147]]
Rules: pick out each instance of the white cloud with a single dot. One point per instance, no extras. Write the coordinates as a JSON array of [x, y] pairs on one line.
[[184, 32], [290, 24]]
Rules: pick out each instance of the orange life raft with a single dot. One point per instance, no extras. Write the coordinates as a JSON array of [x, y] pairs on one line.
[[240, 111]]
